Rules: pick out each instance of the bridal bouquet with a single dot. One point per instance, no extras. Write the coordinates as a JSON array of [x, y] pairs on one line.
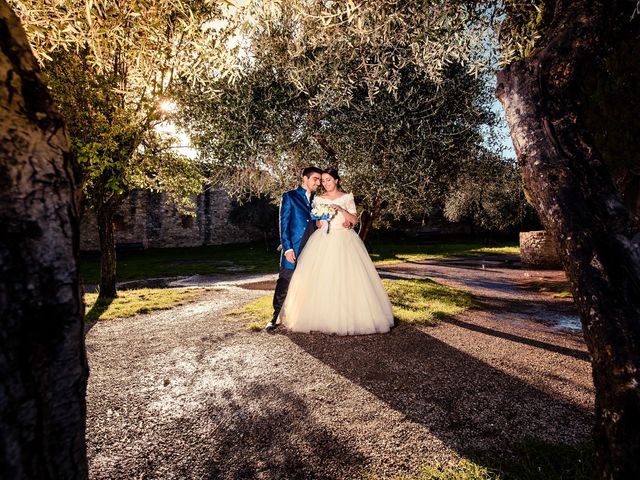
[[322, 211]]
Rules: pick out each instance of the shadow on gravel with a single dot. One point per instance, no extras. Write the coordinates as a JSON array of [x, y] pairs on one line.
[[266, 432], [511, 262], [465, 402], [548, 311], [517, 304], [256, 432], [571, 352]]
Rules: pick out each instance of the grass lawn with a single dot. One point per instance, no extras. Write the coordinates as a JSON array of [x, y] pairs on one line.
[[424, 302], [530, 459], [257, 313], [387, 253], [421, 302], [173, 262], [132, 302]]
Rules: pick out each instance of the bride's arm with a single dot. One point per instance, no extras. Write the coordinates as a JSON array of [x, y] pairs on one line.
[[349, 212]]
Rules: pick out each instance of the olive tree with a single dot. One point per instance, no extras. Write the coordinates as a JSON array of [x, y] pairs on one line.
[[566, 87], [43, 368], [567, 83], [112, 67], [399, 135]]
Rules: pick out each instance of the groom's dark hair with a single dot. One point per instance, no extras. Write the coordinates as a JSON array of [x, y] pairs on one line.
[[309, 170]]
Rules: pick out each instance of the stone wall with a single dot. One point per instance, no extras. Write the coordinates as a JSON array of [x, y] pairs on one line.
[[536, 248], [150, 220]]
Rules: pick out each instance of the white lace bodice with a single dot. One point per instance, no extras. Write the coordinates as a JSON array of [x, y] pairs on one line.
[[346, 201]]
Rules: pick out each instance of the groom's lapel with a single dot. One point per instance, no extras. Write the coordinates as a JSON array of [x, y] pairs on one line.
[[302, 192]]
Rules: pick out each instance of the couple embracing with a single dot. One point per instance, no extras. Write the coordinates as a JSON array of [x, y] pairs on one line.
[[327, 282]]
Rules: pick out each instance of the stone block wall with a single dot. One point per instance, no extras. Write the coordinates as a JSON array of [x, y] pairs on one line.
[[149, 219], [536, 248]]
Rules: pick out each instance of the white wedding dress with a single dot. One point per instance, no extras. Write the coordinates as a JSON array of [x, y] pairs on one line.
[[335, 288]]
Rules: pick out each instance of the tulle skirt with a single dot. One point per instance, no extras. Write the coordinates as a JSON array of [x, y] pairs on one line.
[[336, 289]]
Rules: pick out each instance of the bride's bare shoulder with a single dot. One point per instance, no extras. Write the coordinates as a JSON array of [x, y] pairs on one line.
[[344, 195]]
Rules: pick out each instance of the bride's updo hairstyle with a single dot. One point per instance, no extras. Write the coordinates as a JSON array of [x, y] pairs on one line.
[[336, 176]]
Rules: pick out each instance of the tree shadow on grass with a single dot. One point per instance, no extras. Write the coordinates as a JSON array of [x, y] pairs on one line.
[[465, 402], [95, 312], [533, 459], [488, 283]]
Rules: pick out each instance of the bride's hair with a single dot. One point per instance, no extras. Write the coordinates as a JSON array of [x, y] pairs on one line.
[[334, 173]]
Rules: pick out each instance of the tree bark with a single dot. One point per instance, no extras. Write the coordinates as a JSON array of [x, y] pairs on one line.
[[43, 368], [324, 143], [332, 158], [582, 210], [367, 218], [107, 288]]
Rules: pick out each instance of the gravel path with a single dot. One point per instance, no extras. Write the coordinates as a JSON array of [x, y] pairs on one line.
[[188, 393]]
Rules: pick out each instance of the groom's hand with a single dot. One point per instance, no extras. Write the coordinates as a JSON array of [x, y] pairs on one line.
[[290, 256]]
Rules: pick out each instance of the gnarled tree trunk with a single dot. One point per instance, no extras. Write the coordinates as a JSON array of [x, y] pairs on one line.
[[43, 369], [104, 214], [582, 210], [368, 217]]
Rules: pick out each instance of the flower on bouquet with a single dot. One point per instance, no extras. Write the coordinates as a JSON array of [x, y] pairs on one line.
[[322, 211]]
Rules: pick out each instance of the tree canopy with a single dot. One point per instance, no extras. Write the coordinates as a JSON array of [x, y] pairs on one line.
[[112, 67], [398, 115]]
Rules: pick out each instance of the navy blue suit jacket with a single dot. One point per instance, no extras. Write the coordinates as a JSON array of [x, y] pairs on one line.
[[295, 216]]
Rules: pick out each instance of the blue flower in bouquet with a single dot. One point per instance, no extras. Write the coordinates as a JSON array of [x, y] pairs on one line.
[[322, 211]]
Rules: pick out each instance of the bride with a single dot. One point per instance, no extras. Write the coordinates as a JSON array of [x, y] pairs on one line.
[[335, 287]]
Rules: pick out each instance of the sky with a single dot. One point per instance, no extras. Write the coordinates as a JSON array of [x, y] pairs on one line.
[[184, 145], [506, 142], [185, 148]]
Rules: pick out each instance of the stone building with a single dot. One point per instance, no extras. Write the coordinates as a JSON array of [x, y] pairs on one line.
[[537, 248], [148, 220]]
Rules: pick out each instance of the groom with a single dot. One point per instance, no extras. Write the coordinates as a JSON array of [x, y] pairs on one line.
[[295, 229]]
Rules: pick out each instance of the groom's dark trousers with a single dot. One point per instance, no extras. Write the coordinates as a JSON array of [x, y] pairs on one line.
[[282, 285]]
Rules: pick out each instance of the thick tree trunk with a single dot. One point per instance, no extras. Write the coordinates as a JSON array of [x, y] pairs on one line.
[[324, 143], [581, 208], [367, 218], [107, 239], [43, 369]]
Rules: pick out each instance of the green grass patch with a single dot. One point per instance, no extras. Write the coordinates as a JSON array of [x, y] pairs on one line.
[[133, 302], [530, 459], [534, 459], [255, 326], [414, 301], [425, 301], [173, 262], [389, 253], [257, 312], [464, 470]]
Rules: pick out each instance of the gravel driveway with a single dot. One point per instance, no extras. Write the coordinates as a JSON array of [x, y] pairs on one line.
[[189, 393]]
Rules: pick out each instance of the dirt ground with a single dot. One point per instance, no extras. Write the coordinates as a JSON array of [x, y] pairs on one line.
[[191, 394]]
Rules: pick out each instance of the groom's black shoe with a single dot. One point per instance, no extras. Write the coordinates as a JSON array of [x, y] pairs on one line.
[[271, 326]]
